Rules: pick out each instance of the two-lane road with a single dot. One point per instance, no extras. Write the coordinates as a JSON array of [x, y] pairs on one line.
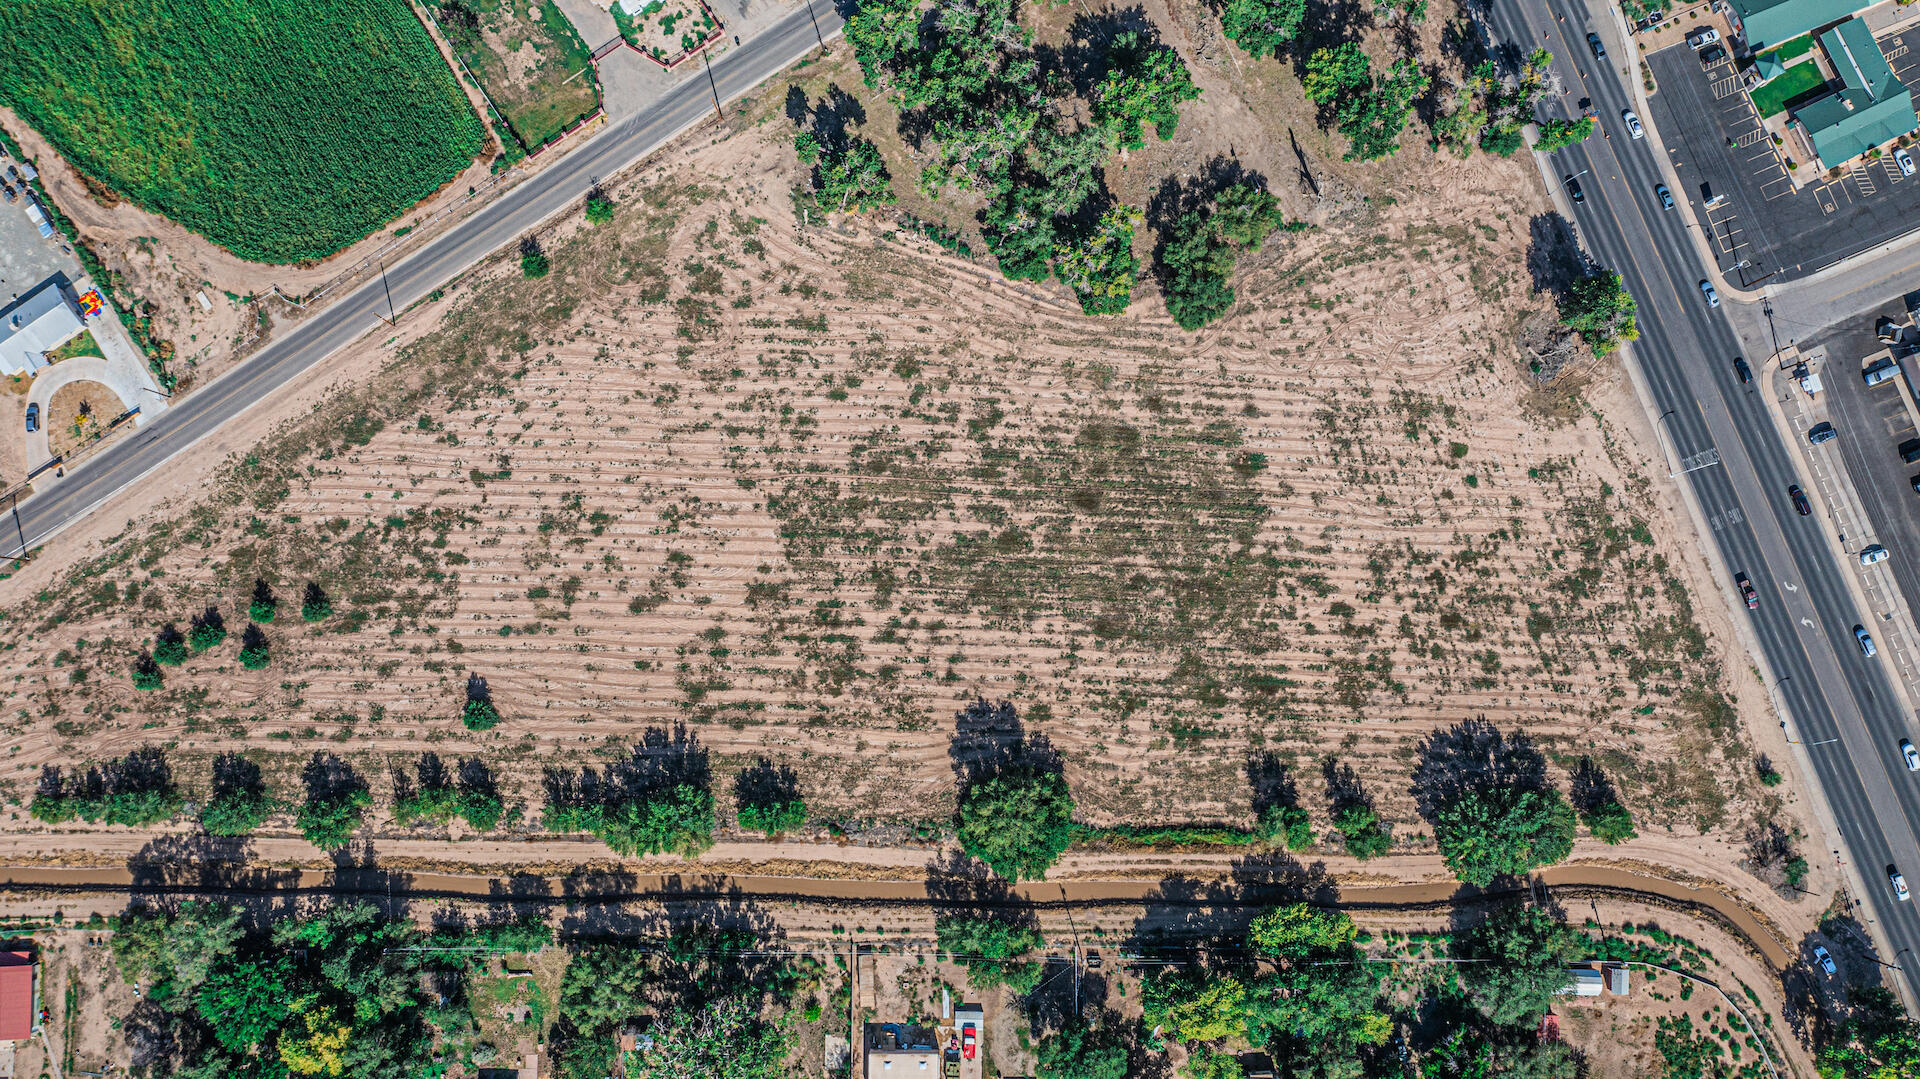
[[138, 457], [1841, 703]]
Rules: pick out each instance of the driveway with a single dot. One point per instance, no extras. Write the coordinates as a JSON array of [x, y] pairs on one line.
[[54, 376]]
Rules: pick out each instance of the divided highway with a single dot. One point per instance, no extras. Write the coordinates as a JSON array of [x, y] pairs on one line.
[[1840, 704], [137, 456]]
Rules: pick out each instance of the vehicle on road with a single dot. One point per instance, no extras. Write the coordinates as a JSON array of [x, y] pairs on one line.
[[1824, 958], [969, 1041], [1872, 553], [1746, 591], [1740, 368], [1633, 124], [1702, 37], [1865, 641], [1910, 755], [1599, 50], [1905, 161], [1899, 884], [1712, 55], [33, 418], [1883, 371], [1706, 289], [1573, 190], [1799, 499], [1665, 196], [1822, 432]]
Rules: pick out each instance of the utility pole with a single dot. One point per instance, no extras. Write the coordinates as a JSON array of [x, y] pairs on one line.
[[816, 27], [711, 85], [18, 527], [393, 317]]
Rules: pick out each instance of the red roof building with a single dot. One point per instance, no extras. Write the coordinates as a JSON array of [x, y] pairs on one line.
[[16, 996]]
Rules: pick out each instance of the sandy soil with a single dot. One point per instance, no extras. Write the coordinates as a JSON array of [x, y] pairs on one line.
[[88, 404]]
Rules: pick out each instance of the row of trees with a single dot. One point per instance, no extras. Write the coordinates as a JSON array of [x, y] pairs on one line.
[[208, 630]]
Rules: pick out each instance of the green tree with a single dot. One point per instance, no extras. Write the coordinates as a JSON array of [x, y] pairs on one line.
[[677, 819], [1297, 932], [1610, 823], [599, 207], [1560, 134], [265, 604], [208, 631], [255, 651], [883, 32], [1370, 113], [1195, 1005], [1324, 992], [1502, 831], [992, 949], [848, 174], [1082, 1051], [1410, 12], [314, 605], [1518, 960], [534, 263], [1195, 265], [329, 823], [1286, 824], [245, 1002], [1877, 1041], [1598, 308], [1019, 230], [1263, 27], [239, 802], [146, 673], [726, 1039], [1101, 268], [169, 647], [1359, 826], [1017, 820], [1145, 83], [1336, 72], [479, 714], [1207, 1063], [175, 952], [767, 798], [1245, 214]]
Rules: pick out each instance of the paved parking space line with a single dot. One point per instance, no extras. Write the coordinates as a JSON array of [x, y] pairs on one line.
[[1824, 195], [1750, 138], [1895, 50], [1726, 87], [1785, 189], [1863, 176]]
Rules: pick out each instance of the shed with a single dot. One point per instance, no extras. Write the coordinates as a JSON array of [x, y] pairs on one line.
[[1617, 980], [16, 996], [1583, 982]]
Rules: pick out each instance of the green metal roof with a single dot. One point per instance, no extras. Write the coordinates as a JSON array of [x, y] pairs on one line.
[[1871, 107], [1766, 23]]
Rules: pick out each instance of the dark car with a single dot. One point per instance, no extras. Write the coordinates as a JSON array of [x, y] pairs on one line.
[[1916, 484], [33, 418], [1746, 591], [1573, 190], [1599, 50], [1910, 450], [1712, 55], [1822, 432], [1740, 368], [1799, 499]]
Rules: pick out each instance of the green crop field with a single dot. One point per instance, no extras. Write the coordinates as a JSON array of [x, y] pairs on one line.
[[530, 60], [282, 130]]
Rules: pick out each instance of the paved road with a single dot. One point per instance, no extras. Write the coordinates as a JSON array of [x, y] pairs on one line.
[[193, 417], [1806, 614]]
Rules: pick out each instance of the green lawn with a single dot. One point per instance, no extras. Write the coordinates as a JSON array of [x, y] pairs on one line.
[[282, 130], [1771, 97], [1799, 46]]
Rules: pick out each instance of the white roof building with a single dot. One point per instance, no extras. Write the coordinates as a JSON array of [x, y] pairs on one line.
[[35, 325]]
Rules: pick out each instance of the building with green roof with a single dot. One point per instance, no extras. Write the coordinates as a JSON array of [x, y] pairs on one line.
[[1870, 108], [1767, 23]]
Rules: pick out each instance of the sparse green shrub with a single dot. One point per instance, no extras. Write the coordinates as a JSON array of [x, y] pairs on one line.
[[315, 605], [265, 604], [209, 629], [146, 673], [169, 647], [255, 652], [599, 207]]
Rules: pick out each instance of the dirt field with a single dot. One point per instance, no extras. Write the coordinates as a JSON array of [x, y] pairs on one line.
[[531, 61], [809, 489], [78, 413]]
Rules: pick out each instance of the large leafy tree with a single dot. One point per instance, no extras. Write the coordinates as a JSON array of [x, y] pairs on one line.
[[1599, 309], [1017, 820], [1878, 1041], [1101, 268], [726, 1039], [848, 173], [994, 950], [1503, 832], [1516, 961], [1324, 992], [239, 802], [1195, 1005], [1197, 254], [1263, 27], [175, 952], [1146, 83], [1370, 113], [1083, 1051]]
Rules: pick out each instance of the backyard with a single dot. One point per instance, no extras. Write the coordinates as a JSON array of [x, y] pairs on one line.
[[529, 60], [1773, 96]]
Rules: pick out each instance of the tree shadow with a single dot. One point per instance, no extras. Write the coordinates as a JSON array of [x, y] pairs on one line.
[[1082, 61], [988, 738], [150, 1034], [188, 864], [475, 775], [328, 778], [1344, 789], [1592, 791], [1271, 782], [1554, 260], [1178, 197], [1473, 756], [765, 784], [661, 761], [1328, 23]]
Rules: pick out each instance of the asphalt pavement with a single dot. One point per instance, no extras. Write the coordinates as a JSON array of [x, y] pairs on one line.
[[565, 183], [1840, 704]]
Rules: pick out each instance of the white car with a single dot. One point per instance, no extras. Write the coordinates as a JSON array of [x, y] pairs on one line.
[[1824, 958], [1633, 124], [1703, 37], [1910, 755], [1861, 635], [1872, 553], [1707, 290], [1905, 161], [1899, 884]]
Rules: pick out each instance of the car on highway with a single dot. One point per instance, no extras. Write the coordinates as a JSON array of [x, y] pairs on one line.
[[1573, 190], [33, 418], [1905, 161], [1872, 553], [1899, 884], [1822, 432], [1746, 591], [1910, 755], [1706, 289], [1740, 368], [1633, 124], [1799, 499], [1865, 640], [1702, 37], [1824, 958], [1599, 50], [1666, 197]]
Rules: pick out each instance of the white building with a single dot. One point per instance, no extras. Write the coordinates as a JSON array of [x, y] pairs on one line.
[[35, 325]]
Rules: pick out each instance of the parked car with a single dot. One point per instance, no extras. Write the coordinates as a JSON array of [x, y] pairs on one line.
[[1884, 371], [1824, 958], [1865, 641], [1666, 197], [1599, 50], [1740, 368], [1910, 450], [1905, 161], [1633, 124], [1910, 755], [1706, 289], [1872, 553], [969, 1041], [1712, 55], [1799, 499], [33, 418], [1822, 432], [1703, 37], [1899, 884], [1573, 190], [1746, 591]]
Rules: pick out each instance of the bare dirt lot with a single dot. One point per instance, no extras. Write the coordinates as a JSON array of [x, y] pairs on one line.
[[810, 487]]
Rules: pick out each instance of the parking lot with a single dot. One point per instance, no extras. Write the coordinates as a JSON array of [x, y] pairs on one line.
[[1717, 143], [26, 259]]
